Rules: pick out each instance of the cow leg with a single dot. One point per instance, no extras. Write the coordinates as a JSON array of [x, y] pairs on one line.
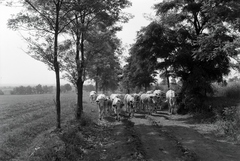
[[102, 112], [117, 117], [99, 113], [170, 108], [132, 111], [137, 107], [115, 111], [92, 99], [149, 109]]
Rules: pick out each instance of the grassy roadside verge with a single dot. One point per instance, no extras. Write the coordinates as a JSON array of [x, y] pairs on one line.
[[86, 140]]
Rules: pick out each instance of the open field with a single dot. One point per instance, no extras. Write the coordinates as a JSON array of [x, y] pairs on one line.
[[23, 117]]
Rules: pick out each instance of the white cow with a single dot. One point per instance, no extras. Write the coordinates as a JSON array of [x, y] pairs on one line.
[[101, 103], [148, 102], [117, 107], [149, 92], [157, 92], [112, 96], [129, 104], [171, 99], [92, 96]]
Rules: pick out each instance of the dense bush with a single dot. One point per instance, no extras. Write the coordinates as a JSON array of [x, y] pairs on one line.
[[231, 90], [229, 122], [226, 109]]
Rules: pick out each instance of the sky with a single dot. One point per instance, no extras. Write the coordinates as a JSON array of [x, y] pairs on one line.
[[18, 68]]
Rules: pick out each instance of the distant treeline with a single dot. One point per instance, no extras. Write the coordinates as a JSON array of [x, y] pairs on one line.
[[39, 89]]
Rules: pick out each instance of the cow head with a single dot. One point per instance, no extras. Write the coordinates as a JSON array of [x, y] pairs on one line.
[[101, 102]]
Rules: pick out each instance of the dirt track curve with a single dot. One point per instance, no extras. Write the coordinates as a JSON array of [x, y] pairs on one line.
[[175, 137], [162, 137]]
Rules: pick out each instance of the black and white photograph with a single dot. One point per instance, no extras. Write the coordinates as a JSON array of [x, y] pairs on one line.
[[119, 80]]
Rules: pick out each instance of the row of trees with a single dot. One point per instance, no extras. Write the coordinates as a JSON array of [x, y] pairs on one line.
[[191, 40], [39, 89], [77, 37]]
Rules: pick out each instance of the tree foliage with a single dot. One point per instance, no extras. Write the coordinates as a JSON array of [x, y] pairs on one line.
[[206, 29], [193, 40], [102, 60], [44, 19]]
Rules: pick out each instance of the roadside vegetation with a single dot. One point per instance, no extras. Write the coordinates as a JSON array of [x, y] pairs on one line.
[[226, 109]]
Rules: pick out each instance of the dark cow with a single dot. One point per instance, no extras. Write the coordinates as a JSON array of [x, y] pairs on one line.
[[108, 104], [159, 97]]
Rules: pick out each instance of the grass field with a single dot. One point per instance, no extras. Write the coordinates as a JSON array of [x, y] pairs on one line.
[[24, 117]]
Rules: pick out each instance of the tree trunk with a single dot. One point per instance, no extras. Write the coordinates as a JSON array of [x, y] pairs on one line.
[[167, 77], [56, 68], [79, 98], [81, 76], [168, 83], [58, 104]]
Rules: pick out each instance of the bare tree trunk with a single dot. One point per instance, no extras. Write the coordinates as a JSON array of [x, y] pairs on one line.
[[80, 81], [58, 104], [168, 83], [56, 68], [79, 98]]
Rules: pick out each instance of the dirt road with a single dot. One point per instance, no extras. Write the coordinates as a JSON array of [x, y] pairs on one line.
[[162, 137], [177, 137]]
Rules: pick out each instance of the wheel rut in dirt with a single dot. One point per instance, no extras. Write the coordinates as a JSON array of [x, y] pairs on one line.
[[157, 143], [192, 137]]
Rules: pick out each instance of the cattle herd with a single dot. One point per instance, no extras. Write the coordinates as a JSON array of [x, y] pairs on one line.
[[129, 104]]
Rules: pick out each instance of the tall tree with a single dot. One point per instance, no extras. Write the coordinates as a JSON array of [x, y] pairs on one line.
[[205, 29], [43, 18], [90, 15], [102, 61], [138, 72]]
